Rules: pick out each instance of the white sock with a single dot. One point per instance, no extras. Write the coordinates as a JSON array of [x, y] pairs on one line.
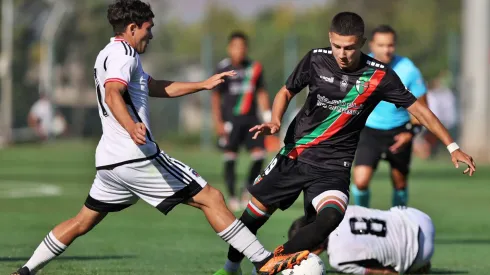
[[49, 249], [231, 266], [238, 236]]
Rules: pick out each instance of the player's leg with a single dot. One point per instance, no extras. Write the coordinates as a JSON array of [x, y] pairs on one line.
[[277, 187], [400, 168], [328, 198], [105, 196], [58, 239], [229, 167], [368, 155], [256, 147], [177, 183]]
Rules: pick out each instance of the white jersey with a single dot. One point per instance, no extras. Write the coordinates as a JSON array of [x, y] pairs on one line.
[[119, 62], [387, 237]]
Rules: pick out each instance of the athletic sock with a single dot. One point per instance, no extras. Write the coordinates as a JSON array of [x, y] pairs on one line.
[[49, 249], [253, 218], [244, 241], [314, 234], [361, 197], [400, 197]]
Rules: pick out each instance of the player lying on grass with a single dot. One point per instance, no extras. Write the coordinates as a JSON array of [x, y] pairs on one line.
[[345, 85], [371, 241], [129, 162]]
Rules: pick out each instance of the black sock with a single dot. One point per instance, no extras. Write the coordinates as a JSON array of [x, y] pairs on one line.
[[230, 176], [255, 168], [315, 233], [253, 218]]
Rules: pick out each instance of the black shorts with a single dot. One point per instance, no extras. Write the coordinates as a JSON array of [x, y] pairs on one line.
[[282, 181], [240, 135], [374, 146]]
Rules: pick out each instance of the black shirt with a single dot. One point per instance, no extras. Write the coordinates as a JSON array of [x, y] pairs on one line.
[[326, 130], [239, 93]]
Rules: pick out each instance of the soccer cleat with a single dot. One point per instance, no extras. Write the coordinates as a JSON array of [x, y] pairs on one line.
[[22, 271], [279, 261], [224, 272]]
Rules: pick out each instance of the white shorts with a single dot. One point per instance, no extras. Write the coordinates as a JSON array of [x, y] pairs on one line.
[[162, 182], [426, 238]]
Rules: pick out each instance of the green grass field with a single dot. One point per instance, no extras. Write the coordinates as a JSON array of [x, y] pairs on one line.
[[140, 240]]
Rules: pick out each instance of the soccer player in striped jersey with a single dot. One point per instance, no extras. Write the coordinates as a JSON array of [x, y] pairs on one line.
[[236, 105], [371, 241], [129, 163], [344, 87]]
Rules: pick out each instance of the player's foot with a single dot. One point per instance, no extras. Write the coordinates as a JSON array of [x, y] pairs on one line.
[[234, 204], [22, 271], [279, 261], [224, 272]]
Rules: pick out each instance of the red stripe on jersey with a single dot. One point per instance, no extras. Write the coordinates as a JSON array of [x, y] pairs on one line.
[[249, 95], [116, 80], [344, 118]]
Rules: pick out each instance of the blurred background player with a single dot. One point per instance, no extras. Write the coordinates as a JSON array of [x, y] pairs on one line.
[[44, 120], [389, 130], [371, 241], [235, 111], [442, 102]]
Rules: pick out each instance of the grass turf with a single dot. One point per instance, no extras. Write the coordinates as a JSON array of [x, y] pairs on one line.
[[140, 240]]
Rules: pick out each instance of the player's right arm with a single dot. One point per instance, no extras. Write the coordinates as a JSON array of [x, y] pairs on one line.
[[120, 67], [297, 81], [115, 102]]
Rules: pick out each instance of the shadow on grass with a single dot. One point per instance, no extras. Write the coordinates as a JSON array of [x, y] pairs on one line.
[[72, 258]]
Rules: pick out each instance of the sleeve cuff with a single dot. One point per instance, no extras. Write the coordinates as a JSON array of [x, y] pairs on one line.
[[116, 80]]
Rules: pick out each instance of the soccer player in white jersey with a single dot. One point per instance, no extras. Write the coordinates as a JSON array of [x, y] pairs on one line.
[[129, 163], [370, 241]]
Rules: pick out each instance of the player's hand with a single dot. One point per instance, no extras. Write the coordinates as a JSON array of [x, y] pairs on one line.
[[220, 129], [216, 79], [138, 133], [265, 129], [459, 156], [401, 140]]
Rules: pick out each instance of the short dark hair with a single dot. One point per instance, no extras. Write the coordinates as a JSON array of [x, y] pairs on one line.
[[347, 23], [124, 12], [297, 224], [238, 34], [383, 29]]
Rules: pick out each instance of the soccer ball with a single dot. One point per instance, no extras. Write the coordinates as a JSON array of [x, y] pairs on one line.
[[311, 266]]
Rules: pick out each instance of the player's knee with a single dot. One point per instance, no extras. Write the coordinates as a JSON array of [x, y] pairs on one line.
[[362, 183], [212, 196]]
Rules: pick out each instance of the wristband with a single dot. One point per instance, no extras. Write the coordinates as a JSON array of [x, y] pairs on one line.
[[452, 147], [267, 116]]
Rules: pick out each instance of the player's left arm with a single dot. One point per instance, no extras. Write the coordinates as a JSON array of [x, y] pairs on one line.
[[395, 92], [166, 88]]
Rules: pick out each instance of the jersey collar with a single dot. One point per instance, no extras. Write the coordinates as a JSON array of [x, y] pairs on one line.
[[117, 39]]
